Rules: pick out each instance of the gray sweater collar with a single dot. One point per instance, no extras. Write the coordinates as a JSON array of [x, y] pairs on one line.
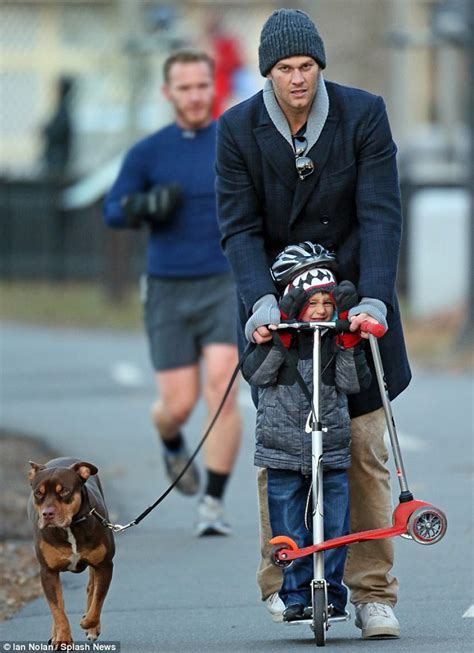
[[316, 119]]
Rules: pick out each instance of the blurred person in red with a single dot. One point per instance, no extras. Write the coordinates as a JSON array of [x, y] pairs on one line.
[[225, 50], [167, 184]]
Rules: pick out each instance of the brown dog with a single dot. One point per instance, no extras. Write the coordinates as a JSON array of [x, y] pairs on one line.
[[69, 538]]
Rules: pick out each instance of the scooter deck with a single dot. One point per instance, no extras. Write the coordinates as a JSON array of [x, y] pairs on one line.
[[401, 515], [331, 620]]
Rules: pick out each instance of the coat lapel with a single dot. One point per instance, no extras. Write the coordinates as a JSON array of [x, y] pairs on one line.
[[280, 157], [276, 151], [319, 154]]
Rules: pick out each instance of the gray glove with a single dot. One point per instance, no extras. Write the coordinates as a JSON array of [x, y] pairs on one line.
[[373, 307], [265, 311]]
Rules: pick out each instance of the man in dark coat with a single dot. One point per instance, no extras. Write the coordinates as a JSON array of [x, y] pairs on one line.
[[307, 159]]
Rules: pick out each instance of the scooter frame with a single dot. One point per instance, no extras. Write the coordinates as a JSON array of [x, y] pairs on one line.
[[413, 519]]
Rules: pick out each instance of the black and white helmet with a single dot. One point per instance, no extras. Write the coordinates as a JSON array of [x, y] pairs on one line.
[[294, 259]]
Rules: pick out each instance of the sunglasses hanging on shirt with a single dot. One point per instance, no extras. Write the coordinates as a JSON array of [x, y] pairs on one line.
[[304, 165]]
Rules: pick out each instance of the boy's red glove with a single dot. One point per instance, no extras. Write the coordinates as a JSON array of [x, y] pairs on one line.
[[346, 297], [290, 305]]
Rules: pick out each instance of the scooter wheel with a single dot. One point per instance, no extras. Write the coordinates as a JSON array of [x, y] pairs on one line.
[[279, 562], [281, 542], [427, 525], [320, 615]]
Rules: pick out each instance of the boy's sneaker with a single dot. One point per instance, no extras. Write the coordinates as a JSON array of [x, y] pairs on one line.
[[175, 462], [275, 607], [294, 612], [377, 621], [211, 519]]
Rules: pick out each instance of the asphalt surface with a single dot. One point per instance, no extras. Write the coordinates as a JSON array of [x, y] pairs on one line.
[[88, 395]]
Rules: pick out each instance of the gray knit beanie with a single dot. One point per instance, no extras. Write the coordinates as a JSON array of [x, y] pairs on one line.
[[289, 33]]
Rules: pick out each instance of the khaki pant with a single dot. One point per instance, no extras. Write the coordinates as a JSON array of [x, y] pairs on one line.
[[368, 564]]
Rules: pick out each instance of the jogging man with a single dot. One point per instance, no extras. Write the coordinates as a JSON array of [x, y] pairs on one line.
[[166, 184]]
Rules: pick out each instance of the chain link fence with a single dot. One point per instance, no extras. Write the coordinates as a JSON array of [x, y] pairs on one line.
[[80, 81], [112, 53], [87, 74]]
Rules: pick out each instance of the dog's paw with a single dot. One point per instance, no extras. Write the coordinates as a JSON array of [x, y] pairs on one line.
[[61, 642], [91, 627], [92, 634]]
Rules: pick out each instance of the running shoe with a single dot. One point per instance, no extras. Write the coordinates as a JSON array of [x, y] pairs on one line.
[[211, 519], [175, 462]]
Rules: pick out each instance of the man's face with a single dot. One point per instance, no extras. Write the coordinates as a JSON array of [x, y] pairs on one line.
[[190, 89], [295, 81]]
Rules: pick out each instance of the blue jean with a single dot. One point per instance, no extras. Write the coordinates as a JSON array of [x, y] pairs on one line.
[[287, 497]]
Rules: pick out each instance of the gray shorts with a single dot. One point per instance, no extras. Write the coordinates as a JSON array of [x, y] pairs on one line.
[[184, 315]]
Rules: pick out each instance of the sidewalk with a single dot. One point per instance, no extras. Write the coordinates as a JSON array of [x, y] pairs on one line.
[[88, 393], [170, 591]]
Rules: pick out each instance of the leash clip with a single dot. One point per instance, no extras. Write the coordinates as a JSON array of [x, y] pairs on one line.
[[118, 528]]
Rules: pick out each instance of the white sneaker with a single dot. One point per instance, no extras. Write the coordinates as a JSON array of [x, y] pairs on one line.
[[211, 518], [377, 621], [275, 607]]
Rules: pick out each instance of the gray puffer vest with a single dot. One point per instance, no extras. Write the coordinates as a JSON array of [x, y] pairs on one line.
[[283, 409]]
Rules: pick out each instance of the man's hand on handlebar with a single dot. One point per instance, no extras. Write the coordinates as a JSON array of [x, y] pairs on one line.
[[359, 323], [357, 320], [265, 311], [262, 334]]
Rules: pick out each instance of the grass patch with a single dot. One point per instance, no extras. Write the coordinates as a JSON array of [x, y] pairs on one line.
[[436, 341], [68, 304]]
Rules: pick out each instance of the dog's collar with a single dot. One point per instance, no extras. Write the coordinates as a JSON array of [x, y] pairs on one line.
[[85, 506], [87, 510]]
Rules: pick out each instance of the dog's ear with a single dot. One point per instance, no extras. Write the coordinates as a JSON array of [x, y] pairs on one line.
[[35, 468], [84, 470]]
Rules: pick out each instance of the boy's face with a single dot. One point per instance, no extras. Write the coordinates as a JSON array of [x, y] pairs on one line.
[[320, 308]]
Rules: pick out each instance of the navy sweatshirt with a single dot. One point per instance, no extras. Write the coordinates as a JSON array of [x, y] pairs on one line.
[[189, 244]]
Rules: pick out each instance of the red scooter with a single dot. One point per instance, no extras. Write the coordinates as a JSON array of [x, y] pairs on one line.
[[417, 520]]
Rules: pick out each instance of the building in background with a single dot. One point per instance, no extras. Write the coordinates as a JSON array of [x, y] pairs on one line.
[[412, 52], [114, 50]]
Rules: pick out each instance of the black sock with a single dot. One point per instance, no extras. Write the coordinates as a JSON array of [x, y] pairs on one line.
[[175, 443], [216, 484]]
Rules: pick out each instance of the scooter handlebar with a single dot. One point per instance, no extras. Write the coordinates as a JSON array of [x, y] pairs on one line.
[[376, 330], [340, 326]]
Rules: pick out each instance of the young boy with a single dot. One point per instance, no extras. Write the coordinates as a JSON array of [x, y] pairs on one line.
[[282, 444]]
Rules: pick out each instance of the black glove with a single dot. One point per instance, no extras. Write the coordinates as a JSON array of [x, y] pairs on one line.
[[155, 207], [292, 303], [290, 306], [345, 296]]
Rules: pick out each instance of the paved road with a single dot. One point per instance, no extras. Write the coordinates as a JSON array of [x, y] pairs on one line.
[[88, 393]]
